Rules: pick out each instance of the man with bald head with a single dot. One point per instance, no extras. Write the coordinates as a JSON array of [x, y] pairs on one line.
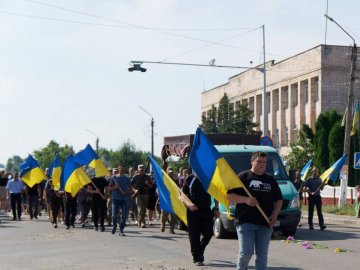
[[313, 186]]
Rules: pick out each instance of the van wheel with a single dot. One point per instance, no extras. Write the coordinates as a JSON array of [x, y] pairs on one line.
[[219, 231], [288, 233]]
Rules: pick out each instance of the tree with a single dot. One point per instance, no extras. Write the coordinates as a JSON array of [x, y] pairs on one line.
[[46, 155], [302, 151], [225, 115], [13, 164], [323, 125], [127, 155], [336, 142], [225, 119], [242, 120]]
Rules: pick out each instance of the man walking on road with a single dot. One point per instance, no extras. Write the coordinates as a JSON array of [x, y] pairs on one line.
[[14, 189], [313, 186], [254, 233]]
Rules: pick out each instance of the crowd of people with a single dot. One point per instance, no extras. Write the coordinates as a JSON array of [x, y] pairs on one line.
[[122, 197]]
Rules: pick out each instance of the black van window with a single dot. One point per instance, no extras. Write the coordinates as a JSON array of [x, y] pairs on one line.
[[242, 162]]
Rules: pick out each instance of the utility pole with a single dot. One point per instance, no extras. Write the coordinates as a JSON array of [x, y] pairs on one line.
[[348, 125], [264, 113], [96, 141], [152, 130]]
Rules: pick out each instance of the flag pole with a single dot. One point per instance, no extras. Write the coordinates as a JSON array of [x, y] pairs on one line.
[[257, 205], [98, 190]]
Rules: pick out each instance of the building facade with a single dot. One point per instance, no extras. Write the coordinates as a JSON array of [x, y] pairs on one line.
[[298, 89]]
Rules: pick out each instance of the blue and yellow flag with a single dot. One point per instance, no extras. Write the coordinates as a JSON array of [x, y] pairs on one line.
[[169, 192], [332, 173], [304, 172], [90, 158], [355, 123], [31, 173], [55, 172], [214, 173], [73, 177]]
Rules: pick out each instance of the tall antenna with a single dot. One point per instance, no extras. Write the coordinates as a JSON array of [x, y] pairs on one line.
[[326, 21]]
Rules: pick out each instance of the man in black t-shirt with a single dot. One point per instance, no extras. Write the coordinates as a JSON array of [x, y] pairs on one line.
[[98, 203], [254, 232], [33, 200]]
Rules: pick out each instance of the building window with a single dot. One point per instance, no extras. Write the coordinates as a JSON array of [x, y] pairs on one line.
[[295, 97], [286, 139], [316, 89], [237, 105]]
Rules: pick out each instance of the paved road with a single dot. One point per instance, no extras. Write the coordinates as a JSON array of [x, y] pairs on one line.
[[36, 245]]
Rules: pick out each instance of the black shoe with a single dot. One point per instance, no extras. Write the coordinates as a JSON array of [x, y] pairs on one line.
[[102, 228], [14, 218], [311, 227], [19, 219], [96, 229], [55, 225], [113, 230], [72, 225], [199, 263], [121, 233], [323, 227], [67, 227]]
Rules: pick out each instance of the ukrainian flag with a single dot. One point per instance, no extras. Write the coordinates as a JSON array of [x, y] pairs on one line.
[[304, 172], [355, 123], [31, 173], [90, 158], [73, 177], [213, 171], [169, 192], [333, 172], [55, 172]]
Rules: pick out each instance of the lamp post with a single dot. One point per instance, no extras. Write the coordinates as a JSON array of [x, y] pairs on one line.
[[97, 140], [152, 130], [344, 182]]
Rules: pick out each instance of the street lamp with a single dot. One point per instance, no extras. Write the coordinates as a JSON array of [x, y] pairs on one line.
[[344, 182], [97, 140], [152, 129]]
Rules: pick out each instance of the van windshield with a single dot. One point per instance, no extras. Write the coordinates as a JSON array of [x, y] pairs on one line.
[[242, 162]]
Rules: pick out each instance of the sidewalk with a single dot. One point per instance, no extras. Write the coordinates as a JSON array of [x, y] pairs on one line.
[[332, 218]]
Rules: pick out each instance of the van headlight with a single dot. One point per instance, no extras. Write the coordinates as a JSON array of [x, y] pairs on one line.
[[295, 202]]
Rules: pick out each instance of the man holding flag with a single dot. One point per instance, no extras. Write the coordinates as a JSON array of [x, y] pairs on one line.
[[254, 231]]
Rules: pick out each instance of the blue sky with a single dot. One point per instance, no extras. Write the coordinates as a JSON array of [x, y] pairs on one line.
[[63, 67]]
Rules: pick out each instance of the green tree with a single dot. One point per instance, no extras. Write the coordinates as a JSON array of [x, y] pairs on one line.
[[225, 117], [46, 155], [323, 125], [302, 151], [127, 155], [336, 142], [209, 124], [243, 120], [13, 164]]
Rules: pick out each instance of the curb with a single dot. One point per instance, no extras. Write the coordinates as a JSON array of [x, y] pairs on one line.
[[335, 219]]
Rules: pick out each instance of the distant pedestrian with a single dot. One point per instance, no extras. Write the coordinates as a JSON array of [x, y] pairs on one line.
[[357, 205], [33, 200], [299, 184], [313, 187], [98, 206], [15, 188], [120, 187], [3, 182], [140, 184], [70, 210], [199, 217]]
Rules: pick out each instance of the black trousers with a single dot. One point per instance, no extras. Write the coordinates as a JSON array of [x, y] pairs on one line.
[[55, 204], [15, 199], [315, 201], [33, 206], [200, 228], [70, 211], [98, 209]]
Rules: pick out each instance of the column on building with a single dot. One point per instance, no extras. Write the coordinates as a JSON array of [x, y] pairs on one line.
[[251, 102], [314, 100], [284, 127], [302, 102], [274, 108], [304, 88], [267, 104], [294, 112], [258, 112]]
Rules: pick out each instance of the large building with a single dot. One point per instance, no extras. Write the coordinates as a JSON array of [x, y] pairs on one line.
[[298, 89]]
